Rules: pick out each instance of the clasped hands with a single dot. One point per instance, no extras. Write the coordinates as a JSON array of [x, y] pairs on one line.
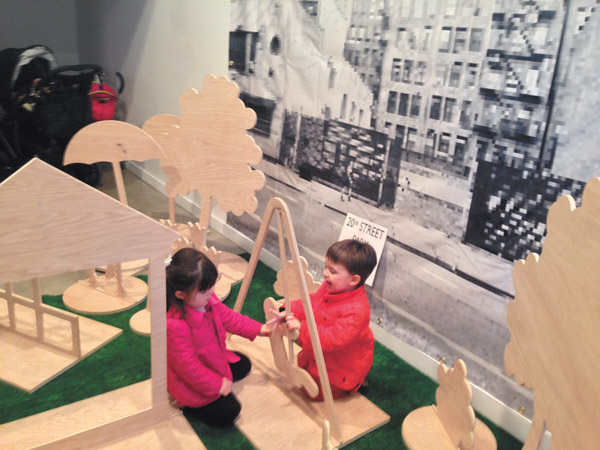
[[277, 318]]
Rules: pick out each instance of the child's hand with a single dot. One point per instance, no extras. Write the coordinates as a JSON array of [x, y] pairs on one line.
[[225, 387], [293, 327], [267, 327]]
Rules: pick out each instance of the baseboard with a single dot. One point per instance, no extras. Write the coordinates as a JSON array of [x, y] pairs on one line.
[[496, 411]]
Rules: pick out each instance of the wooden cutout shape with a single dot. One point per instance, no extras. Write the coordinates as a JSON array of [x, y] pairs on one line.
[[294, 285], [208, 150], [71, 345], [51, 224], [553, 322], [298, 377], [109, 295], [140, 321], [113, 141], [61, 338], [453, 404], [278, 206], [451, 423]]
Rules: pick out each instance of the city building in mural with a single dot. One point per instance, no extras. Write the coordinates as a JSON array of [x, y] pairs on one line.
[[453, 123]]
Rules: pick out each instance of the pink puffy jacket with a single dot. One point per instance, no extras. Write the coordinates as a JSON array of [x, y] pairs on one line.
[[197, 359], [346, 339]]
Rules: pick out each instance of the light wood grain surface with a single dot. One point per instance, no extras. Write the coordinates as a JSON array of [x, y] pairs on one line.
[[112, 141], [277, 416], [53, 223], [208, 150], [553, 322], [104, 298], [29, 364], [56, 224]]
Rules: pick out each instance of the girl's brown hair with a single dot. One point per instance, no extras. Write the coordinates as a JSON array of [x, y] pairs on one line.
[[359, 258], [189, 270]]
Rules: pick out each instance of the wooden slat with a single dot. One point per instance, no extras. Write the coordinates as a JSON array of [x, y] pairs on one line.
[[29, 364]]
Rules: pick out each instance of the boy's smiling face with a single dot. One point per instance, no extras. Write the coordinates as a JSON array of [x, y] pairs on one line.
[[337, 278]]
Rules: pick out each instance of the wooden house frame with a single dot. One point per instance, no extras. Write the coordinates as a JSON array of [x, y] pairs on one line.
[[52, 224]]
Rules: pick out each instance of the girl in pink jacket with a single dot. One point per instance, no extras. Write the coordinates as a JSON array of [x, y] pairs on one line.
[[200, 369]]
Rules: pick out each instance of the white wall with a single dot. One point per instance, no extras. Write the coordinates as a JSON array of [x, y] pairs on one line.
[[51, 23], [161, 48]]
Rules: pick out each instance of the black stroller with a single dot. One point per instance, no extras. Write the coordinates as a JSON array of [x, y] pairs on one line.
[[41, 107]]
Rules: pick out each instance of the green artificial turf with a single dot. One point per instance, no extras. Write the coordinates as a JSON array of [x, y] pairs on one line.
[[394, 386]]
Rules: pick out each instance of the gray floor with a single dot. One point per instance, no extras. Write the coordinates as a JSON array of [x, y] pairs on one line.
[[141, 197]]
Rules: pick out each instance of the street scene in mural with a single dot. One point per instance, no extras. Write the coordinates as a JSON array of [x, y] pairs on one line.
[[452, 123]]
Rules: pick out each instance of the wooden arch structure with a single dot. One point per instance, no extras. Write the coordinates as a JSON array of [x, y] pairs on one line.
[[317, 424]]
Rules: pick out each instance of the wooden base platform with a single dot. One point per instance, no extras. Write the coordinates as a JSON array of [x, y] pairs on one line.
[[174, 434], [104, 299], [232, 266], [50, 426], [422, 430], [28, 364], [277, 416], [223, 287], [131, 268], [140, 322]]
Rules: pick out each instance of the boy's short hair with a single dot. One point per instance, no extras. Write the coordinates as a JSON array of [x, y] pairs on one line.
[[359, 258]]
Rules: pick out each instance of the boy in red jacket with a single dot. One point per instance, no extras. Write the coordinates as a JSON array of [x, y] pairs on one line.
[[342, 314]]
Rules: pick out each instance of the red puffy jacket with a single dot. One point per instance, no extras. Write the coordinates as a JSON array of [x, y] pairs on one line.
[[346, 339]]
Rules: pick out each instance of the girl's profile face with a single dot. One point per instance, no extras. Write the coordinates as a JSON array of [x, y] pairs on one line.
[[198, 299]]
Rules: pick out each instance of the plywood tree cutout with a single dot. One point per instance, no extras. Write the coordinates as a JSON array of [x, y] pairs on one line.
[[208, 150], [451, 422], [294, 286], [553, 321]]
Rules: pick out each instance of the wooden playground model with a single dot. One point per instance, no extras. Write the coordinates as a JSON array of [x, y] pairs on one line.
[[208, 150], [113, 141], [325, 424], [451, 422], [553, 321], [197, 240], [53, 223], [61, 339]]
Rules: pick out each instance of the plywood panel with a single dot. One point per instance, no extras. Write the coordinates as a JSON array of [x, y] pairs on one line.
[[104, 299], [76, 417], [28, 365], [173, 434], [422, 430], [57, 224], [553, 322], [356, 414]]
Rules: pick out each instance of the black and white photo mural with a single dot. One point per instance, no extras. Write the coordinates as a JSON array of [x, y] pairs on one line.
[[452, 123]]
